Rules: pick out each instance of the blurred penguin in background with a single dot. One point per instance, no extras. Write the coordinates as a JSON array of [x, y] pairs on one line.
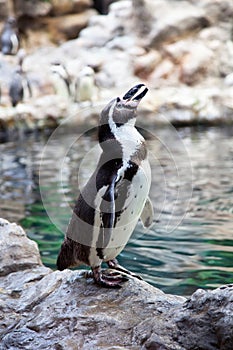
[[9, 39], [61, 80], [85, 87], [16, 87], [20, 86]]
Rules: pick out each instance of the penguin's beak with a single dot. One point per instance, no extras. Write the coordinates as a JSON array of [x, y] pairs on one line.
[[135, 94]]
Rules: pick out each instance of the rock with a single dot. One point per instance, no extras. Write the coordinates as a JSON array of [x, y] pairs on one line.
[[195, 65], [168, 45], [229, 80], [68, 26], [17, 251], [217, 10], [142, 17], [144, 65], [4, 9], [42, 309], [33, 8], [95, 36], [42, 112], [206, 320], [64, 7], [164, 70], [172, 25]]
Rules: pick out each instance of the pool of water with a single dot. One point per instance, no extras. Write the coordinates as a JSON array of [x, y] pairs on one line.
[[190, 244]]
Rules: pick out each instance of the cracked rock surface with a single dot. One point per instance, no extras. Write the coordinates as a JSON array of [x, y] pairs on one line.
[[45, 309]]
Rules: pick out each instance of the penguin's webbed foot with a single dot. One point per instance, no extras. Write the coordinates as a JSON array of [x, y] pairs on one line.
[[113, 264], [107, 278]]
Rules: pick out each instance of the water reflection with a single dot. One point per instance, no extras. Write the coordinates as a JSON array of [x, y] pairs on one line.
[[198, 253]]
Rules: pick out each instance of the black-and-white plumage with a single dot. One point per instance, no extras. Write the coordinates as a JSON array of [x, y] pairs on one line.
[[10, 42], [85, 87], [115, 196], [62, 80], [19, 87], [16, 87]]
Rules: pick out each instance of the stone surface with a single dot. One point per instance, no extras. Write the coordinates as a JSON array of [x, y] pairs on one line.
[[196, 64], [4, 9], [45, 309], [63, 7], [166, 44], [68, 26], [33, 8], [17, 252], [172, 24]]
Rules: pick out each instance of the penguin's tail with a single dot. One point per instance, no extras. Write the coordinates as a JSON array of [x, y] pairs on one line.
[[66, 257]]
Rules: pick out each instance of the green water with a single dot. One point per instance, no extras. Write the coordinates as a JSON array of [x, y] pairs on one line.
[[190, 244]]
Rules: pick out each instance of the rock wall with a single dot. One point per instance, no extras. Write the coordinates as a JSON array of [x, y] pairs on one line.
[[54, 21], [45, 309], [183, 51]]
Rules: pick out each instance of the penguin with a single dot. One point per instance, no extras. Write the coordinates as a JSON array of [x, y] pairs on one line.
[[114, 198], [85, 88], [20, 86], [16, 88], [9, 37], [61, 80]]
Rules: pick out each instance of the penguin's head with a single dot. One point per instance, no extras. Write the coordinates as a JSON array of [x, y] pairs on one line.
[[120, 111], [87, 72], [11, 22]]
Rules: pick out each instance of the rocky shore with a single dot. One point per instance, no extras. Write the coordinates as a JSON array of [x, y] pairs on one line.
[[45, 309], [183, 51]]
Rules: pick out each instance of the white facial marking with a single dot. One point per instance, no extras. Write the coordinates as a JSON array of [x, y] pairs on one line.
[[128, 136]]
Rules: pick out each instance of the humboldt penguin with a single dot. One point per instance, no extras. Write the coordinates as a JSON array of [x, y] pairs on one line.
[[62, 80], [16, 87], [114, 198], [9, 37], [20, 86], [85, 87]]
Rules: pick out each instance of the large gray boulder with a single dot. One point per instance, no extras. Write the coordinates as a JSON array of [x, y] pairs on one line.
[[45, 309]]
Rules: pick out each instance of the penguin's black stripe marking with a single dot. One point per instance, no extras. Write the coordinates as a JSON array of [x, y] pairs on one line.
[[132, 91], [104, 133]]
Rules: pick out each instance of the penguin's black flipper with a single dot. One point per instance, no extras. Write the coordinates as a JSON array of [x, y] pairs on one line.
[[108, 206], [107, 209]]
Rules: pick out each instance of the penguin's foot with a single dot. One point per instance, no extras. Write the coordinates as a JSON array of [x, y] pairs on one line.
[[113, 264], [108, 279]]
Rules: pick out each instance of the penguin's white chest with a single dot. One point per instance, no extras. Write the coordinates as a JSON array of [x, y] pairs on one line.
[[60, 85], [128, 216], [86, 89], [131, 191], [135, 193]]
